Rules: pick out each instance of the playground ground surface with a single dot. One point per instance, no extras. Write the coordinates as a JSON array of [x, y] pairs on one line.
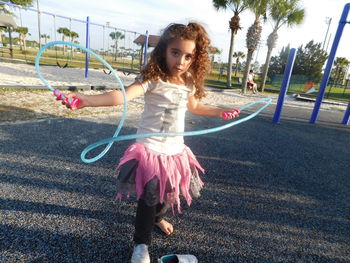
[[273, 192]]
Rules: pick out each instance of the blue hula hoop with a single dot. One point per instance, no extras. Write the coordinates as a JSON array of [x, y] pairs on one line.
[[115, 136]]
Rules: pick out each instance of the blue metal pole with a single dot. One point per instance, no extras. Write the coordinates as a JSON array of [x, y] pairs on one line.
[[346, 115], [87, 45], [285, 85], [146, 47], [329, 65]]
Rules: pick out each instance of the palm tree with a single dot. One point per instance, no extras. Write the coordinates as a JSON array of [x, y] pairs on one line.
[[258, 7], [1, 41], [65, 33], [237, 7], [45, 36], [281, 12], [16, 2], [73, 35], [341, 65], [238, 55], [116, 36], [22, 31], [214, 51]]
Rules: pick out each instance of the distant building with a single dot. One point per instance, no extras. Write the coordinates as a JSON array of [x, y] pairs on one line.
[[152, 42]]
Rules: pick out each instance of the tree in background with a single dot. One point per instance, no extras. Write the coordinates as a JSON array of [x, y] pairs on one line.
[[23, 32], [214, 51], [116, 36], [237, 7], [73, 35], [278, 63], [238, 55], [45, 36], [310, 60], [340, 69], [259, 8], [3, 10], [65, 33], [281, 12], [1, 35]]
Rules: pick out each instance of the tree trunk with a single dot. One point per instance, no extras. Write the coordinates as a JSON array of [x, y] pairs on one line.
[[229, 69], [64, 46], [20, 42], [10, 39], [71, 49], [24, 43], [271, 43], [252, 41], [266, 69], [236, 70], [246, 70], [116, 50]]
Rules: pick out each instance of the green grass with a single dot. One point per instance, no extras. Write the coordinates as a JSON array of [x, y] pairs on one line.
[[215, 79]]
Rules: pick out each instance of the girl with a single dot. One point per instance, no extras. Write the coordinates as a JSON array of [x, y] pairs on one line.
[[158, 169], [251, 83]]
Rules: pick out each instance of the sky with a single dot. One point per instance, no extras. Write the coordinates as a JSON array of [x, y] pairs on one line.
[[154, 15]]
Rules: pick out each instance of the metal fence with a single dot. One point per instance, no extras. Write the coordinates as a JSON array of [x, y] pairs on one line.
[[336, 88], [115, 45]]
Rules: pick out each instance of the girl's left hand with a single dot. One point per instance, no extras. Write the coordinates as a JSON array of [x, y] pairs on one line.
[[229, 114]]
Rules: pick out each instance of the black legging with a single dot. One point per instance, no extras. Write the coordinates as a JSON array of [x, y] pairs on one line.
[[146, 216]]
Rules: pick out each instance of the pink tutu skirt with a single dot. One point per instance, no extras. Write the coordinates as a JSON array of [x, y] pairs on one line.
[[158, 178]]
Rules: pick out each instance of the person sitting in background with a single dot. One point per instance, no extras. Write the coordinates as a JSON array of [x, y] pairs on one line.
[[251, 84]]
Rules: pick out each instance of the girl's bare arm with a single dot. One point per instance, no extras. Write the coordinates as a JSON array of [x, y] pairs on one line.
[[205, 110], [111, 98]]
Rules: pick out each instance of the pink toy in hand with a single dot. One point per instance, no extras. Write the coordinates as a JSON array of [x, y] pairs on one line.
[[72, 102], [227, 114]]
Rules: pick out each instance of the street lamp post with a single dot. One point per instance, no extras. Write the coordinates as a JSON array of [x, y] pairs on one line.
[[37, 5], [328, 22]]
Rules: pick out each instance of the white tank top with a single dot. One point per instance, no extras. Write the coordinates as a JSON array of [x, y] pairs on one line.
[[164, 111]]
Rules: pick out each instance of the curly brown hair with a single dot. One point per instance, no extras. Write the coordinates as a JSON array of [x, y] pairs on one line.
[[156, 67]]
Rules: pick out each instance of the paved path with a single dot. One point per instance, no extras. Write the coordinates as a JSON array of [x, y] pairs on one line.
[[273, 193]]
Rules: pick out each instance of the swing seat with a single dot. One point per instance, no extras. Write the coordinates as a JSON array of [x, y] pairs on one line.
[[64, 66], [107, 72], [126, 73]]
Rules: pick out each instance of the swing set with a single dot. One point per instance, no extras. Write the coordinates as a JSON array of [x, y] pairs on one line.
[[55, 33], [130, 58], [126, 52]]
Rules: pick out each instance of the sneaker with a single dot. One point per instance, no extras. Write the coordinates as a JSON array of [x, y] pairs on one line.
[[140, 254], [178, 259]]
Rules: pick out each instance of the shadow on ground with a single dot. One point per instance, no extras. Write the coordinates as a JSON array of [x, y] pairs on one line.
[[10, 113]]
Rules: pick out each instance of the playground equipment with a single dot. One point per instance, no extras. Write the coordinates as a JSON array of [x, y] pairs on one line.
[[7, 22], [289, 67], [328, 68], [89, 33], [55, 33], [285, 84]]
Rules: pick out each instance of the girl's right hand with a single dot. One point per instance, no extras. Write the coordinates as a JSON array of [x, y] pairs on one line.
[[83, 101], [230, 114]]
